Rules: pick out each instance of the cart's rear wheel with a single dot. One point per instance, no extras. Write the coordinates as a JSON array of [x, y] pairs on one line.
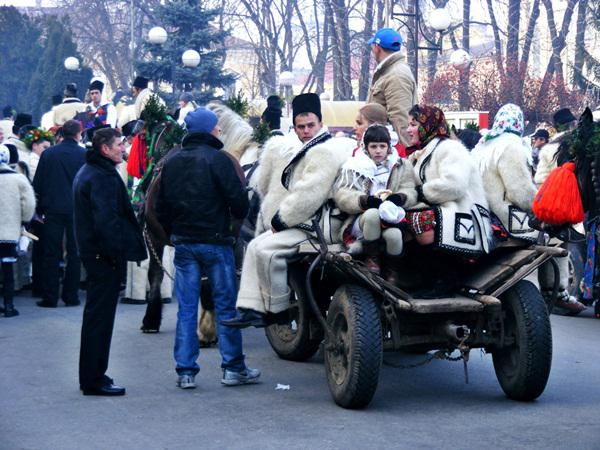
[[523, 365], [294, 340], [353, 359]]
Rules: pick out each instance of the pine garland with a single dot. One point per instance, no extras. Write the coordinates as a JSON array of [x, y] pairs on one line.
[[238, 104], [261, 133]]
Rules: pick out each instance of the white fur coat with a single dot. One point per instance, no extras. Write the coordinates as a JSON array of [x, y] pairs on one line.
[[310, 183], [17, 203], [451, 181], [507, 179]]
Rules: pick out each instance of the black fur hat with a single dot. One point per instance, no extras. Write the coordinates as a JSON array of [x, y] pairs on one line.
[[7, 111], [96, 85], [71, 90], [306, 103], [22, 119], [563, 116], [140, 82], [14, 153]]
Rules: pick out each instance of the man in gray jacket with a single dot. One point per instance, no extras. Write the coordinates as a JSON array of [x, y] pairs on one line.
[[393, 85]]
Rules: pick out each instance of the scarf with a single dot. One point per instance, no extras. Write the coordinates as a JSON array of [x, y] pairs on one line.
[[432, 124], [508, 119], [360, 169]]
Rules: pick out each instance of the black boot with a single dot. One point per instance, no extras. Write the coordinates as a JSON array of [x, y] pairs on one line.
[[9, 310]]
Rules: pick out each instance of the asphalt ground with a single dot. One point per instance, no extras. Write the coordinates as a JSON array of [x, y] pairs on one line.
[[429, 407]]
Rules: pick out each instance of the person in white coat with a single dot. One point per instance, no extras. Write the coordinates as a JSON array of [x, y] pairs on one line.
[[307, 184], [17, 203]]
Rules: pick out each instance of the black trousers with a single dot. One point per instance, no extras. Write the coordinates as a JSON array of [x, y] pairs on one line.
[[8, 283], [37, 259], [103, 284], [56, 228]]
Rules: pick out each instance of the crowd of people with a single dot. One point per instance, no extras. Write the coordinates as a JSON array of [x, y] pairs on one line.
[[404, 186]]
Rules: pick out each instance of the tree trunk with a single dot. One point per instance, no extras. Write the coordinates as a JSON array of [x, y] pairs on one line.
[[510, 87], [365, 73], [578, 79], [558, 43], [497, 41], [463, 93]]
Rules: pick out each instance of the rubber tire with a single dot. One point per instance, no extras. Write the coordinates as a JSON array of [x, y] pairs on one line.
[[523, 371], [363, 350], [295, 345]]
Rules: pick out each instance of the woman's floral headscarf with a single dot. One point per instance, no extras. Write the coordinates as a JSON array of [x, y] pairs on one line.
[[509, 119], [38, 135], [432, 124]]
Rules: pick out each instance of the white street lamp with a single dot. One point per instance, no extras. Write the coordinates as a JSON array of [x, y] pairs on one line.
[[439, 19], [286, 78], [71, 63], [460, 59], [190, 58], [157, 35]]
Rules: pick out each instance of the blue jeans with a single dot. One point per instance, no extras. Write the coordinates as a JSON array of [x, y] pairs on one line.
[[192, 261]]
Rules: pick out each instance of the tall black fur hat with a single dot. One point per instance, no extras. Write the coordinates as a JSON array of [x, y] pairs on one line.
[[307, 103], [96, 85], [22, 119], [563, 116], [7, 111], [71, 90], [140, 82]]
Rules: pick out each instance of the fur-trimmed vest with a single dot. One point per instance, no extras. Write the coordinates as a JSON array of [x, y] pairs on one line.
[[452, 185], [401, 181], [508, 183], [17, 203], [300, 188]]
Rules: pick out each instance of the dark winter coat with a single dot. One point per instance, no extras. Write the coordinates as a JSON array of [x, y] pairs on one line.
[[105, 224], [200, 189], [53, 181]]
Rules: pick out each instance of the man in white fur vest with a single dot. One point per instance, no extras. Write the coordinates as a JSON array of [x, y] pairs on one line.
[[301, 191]]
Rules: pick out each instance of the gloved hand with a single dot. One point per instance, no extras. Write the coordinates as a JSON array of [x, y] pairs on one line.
[[370, 201], [397, 199]]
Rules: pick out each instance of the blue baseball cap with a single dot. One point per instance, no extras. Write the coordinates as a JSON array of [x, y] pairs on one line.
[[387, 38]]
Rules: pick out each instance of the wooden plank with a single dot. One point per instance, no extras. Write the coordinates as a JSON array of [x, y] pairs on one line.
[[498, 269], [445, 305]]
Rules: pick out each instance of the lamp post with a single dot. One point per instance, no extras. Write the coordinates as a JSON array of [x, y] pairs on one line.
[[190, 58], [438, 19], [72, 64], [286, 80]]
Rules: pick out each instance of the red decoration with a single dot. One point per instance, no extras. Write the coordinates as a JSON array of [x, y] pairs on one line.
[[558, 202], [137, 162]]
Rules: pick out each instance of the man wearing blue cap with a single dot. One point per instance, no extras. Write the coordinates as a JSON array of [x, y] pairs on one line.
[[200, 189], [393, 85]]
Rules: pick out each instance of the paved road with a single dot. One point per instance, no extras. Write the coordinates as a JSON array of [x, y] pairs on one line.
[[424, 408]]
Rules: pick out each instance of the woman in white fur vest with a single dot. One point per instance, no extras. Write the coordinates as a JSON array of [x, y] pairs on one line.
[[451, 221], [307, 180], [504, 165], [17, 203]]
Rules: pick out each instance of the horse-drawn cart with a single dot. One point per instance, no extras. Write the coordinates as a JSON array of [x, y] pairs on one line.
[[358, 315]]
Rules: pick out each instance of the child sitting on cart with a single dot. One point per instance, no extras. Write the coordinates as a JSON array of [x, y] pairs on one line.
[[374, 187]]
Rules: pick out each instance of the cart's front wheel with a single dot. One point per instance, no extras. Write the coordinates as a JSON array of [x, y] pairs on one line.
[[353, 358], [296, 339]]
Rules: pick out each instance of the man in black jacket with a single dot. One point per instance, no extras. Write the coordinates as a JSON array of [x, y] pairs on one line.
[[200, 190], [108, 236], [53, 184]]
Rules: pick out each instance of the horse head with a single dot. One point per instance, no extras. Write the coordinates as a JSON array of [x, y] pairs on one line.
[[236, 133], [583, 144]]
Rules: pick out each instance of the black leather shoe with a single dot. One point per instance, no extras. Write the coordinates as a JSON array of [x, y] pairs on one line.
[[45, 304], [108, 390], [246, 318], [75, 303]]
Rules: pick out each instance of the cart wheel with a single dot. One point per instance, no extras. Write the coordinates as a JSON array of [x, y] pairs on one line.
[[353, 359], [293, 340], [523, 366]]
